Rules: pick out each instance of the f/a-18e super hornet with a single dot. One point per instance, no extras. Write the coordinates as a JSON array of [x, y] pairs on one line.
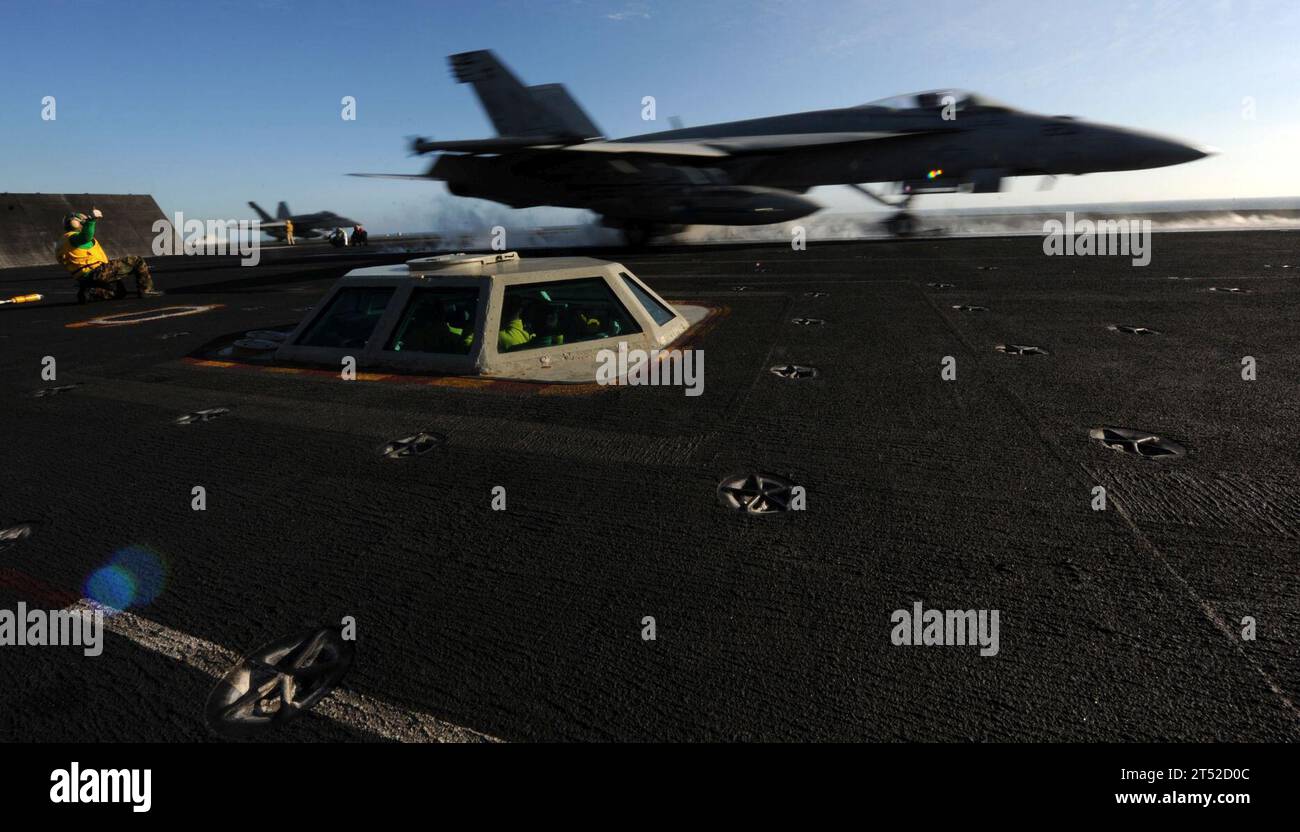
[[318, 224], [754, 172]]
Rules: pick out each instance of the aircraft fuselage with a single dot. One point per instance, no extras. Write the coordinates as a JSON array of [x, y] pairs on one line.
[[976, 148]]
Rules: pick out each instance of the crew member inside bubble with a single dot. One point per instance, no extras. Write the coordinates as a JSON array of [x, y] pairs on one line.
[[434, 327], [540, 320], [546, 325], [513, 333], [585, 325], [99, 278]]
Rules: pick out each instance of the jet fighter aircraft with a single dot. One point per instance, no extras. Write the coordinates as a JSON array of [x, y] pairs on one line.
[[548, 152], [318, 224]]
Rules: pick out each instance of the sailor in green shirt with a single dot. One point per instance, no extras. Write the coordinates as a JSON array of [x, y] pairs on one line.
[[513, 333], [96, 275]]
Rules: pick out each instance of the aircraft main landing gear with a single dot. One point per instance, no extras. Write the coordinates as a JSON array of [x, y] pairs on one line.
[[640, 234]]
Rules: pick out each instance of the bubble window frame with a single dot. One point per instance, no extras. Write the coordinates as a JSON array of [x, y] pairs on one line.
[[490, 275]]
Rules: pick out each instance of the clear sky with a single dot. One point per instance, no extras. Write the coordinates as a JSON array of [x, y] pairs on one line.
[[207, 105]]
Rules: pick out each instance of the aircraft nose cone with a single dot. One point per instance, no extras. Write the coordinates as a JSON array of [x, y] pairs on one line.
[[1181, 152], [1125, 149], [1161, 151]]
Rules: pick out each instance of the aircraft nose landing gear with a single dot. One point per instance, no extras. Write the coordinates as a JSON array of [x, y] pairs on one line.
[[901, 224], [637, 234]]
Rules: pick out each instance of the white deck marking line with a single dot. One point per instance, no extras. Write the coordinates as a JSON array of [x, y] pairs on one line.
[[144, 316], [352, 709]]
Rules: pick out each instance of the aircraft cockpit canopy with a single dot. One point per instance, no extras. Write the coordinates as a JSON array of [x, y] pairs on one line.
[[936, 99]]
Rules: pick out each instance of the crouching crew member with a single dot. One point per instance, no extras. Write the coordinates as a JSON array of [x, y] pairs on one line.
[[96, 275]]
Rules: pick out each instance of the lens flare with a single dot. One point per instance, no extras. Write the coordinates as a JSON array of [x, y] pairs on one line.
[[133, 577], [112, 587]]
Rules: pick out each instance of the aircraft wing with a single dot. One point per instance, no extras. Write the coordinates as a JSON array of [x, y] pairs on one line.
[[506, 144], [392, 175], [675, 149], [500, 144], [733, 145], [708, 148]]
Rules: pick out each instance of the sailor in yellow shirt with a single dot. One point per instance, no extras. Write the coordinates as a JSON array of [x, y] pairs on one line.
[[513, 334], [98, 277], [288, 232]]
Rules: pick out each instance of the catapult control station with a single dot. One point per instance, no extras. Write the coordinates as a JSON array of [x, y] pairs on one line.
[[495, 315]]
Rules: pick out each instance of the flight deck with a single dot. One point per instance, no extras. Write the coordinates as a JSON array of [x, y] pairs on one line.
[[949, 407]]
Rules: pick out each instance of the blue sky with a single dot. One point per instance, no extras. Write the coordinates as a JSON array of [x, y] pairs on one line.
[[207, 105]]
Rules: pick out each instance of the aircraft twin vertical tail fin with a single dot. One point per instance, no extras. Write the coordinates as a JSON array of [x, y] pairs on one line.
[[258, 208], [556, 98], [282, 211], [517, 110]]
